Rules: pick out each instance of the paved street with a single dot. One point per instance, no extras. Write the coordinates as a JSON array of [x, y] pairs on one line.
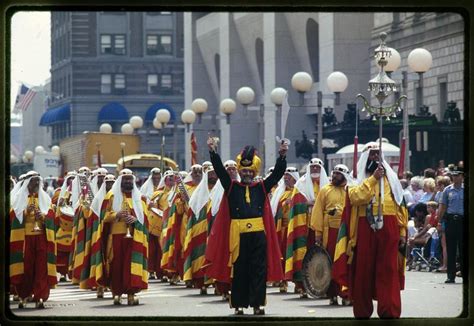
[[425, 295]]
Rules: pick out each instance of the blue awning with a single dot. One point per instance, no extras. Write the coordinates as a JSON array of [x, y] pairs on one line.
[[113, 112], [151, 112], [56, 115]]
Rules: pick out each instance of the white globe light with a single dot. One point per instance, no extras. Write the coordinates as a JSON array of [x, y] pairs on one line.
[[157, 124], [13, 159], [277, 96], [199, 105], [24, 159], [245, 95], [337, 82], [188, 116], [127, 129], [420, 60], [39, 149], [393, 61], [105, 128], [227, 106], [136, 122], [28, 155], [55, 150], [163, 116], [302, 82]]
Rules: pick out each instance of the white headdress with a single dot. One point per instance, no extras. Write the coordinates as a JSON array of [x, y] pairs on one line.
[[281, 188], [147, 189], [305, 183], [395, 185], [200, 195], [64, 187], [20, 201], [136, 196], [94, 180], [100, 195], [189, 177], [344, 170]]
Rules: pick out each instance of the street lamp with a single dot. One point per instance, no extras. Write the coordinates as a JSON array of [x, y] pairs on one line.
[[13, 159], [127, 129], [245, 95], [227, 106], [302, 82], [136, 122], [163, 117], [199, 106], [39, 149], [337, 83], [188, 117], [105, 128], [28, 155], [55, 150], [277, 96]]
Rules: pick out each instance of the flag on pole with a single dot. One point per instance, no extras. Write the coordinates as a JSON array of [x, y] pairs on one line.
[[24, 98], [193, 149], [285, 110]]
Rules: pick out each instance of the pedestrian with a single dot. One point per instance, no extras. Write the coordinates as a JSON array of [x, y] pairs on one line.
[[152, 183], [367, 258], [452, 211], [32, 242], [416, 184], [243, 237]]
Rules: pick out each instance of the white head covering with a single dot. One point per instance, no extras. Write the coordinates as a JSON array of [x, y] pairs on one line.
[[395, 185], [75, 192], [188, 177], [20, 201], [100, 195], [162, 180], [206, 165], [344, 170], [147, 189], [200, 195], [281, 188], [305, 183], [16, 187], [136, 196], [64, 187], [94, 180]]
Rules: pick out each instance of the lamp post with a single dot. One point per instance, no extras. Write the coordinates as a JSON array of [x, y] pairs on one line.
[[136, 122], [188, 117], [245, 96], [127, 129], [227, 106], [163, 117], [199, 106], [105, 128]]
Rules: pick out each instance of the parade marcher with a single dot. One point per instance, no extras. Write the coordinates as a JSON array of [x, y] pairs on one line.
[[125, 232], [280, 204], [243, 236], [88, 273], [12, 183], [451, 211], [157, 206], [32, 242], [176, 219], [98, 179], [370, 254], [16, 187], [300, 237], [151, 185], [326, 219], [64, 220]]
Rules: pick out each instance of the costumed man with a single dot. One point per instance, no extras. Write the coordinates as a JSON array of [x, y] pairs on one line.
[[326, 219], [243, 240], [81, 198], [98, 179], [197, 226], [300, 237], [157, 206], [280, 203], [32, 242], [88, 273], [151, 185], [176, 220], [216, 196], [370, 253], [124, 215], [64, 220]]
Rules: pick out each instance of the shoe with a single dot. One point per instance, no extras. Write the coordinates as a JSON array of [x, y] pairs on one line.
[[333, 301], [203, 291], [16, 297], [239, 311], [189, 284], [283, 288], [67, 278], [459, 274], [346, 302], [22, 304], [225, 297], [258, 311], [303, 295], [100, 292], [117, 300], [164, 279], [39, 304], [449, 281]]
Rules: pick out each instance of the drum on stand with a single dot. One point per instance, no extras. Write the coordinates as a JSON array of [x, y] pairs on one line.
[[317, 266]]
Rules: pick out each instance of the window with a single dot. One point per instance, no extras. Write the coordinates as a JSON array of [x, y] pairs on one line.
[[112, 44], [152, 84], [165, 12], [119, 84], [166, 81], [158, 44], [106, 84]]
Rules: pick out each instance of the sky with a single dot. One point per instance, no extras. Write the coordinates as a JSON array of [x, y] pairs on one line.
[[30, 50]]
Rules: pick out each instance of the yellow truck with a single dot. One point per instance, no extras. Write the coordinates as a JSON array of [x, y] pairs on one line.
[[81, 150]]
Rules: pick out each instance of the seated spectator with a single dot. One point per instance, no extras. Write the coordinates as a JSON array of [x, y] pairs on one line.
[[416, 184], [429, 186], [424, 230], [406, 192]]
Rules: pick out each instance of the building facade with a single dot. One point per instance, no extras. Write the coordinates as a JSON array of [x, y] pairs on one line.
[[225, 51], [109, 66]]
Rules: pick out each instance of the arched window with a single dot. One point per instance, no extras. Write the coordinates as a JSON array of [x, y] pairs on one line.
[[259, 56], [312, 39], [217, 66]]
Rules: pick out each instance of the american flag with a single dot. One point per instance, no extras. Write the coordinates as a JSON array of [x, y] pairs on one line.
[[24, 98]]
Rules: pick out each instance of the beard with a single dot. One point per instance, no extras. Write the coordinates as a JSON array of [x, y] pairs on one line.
[[127, 187], [338, 182], [371, 166]]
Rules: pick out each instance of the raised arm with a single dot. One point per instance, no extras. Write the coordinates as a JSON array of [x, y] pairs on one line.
[[279, 169], [218, 166]]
